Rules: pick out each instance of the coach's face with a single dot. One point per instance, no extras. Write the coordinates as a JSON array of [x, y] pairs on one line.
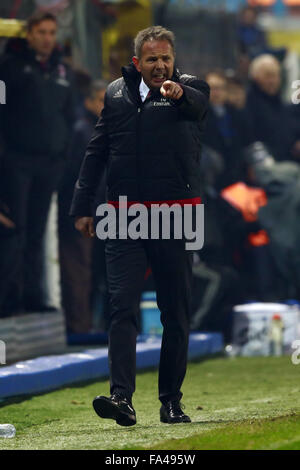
[[156, 63]]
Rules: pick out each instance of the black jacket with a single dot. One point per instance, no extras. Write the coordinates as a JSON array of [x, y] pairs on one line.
[[38, 116], [228, 135], [151, 149], [271, 122]]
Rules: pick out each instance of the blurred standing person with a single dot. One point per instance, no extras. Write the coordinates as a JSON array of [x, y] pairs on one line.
[[236, 93], [36, 126], [148, 137], [252, 39], [270, 118], [75, 252], [227, 131]]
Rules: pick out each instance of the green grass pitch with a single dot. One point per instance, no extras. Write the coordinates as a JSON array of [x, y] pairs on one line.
[[240, 403]]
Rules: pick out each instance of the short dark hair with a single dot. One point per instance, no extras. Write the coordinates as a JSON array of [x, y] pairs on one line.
[[153, 33], [38, 17], [220, 73]]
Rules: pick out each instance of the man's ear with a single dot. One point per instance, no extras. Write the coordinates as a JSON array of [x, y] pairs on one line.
[[136, 62]]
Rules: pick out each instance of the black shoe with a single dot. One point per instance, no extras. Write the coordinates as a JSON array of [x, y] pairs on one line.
[[172, 412], [115, 407], [40, 308]]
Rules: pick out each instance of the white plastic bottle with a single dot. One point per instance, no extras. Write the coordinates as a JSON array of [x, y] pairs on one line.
[[7, 430], [276, 335]]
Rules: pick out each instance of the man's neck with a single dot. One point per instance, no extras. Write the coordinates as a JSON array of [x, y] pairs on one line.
[[39, 56]]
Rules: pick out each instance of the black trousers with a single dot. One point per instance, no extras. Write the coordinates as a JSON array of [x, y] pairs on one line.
[[8, 249], [127, 261], [29, 184]]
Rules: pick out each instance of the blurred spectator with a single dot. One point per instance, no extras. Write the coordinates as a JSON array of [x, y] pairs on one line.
[[235, 254], [83, 82], [252, 39], [216, 284], [227, 131], [281, 181], [294, 110], [75, 252], [236, 93], [36, 124], [270, 118]]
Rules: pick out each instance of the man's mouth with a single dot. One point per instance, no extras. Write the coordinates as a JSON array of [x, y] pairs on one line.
[[159, 77]]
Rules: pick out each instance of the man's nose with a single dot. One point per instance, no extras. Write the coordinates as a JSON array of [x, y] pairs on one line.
[[160, 64]]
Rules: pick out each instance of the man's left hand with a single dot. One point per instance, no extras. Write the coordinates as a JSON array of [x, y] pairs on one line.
[[171, 90], [296, 150]]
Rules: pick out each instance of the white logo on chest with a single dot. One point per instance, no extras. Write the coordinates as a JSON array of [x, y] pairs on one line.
[[162, 102]]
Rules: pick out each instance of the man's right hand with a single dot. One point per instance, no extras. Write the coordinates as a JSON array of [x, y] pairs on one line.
[[8, 223], [85, 226]]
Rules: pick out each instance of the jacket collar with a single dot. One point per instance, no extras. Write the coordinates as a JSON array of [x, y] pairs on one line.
[[19, 47], [258, 91], [132, 80]]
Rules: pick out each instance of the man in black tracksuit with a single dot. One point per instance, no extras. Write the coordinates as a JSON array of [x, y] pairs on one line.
[[36, 124], [150, 143]]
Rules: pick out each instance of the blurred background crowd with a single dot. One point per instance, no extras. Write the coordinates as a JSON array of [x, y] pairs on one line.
[[56, 66]]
